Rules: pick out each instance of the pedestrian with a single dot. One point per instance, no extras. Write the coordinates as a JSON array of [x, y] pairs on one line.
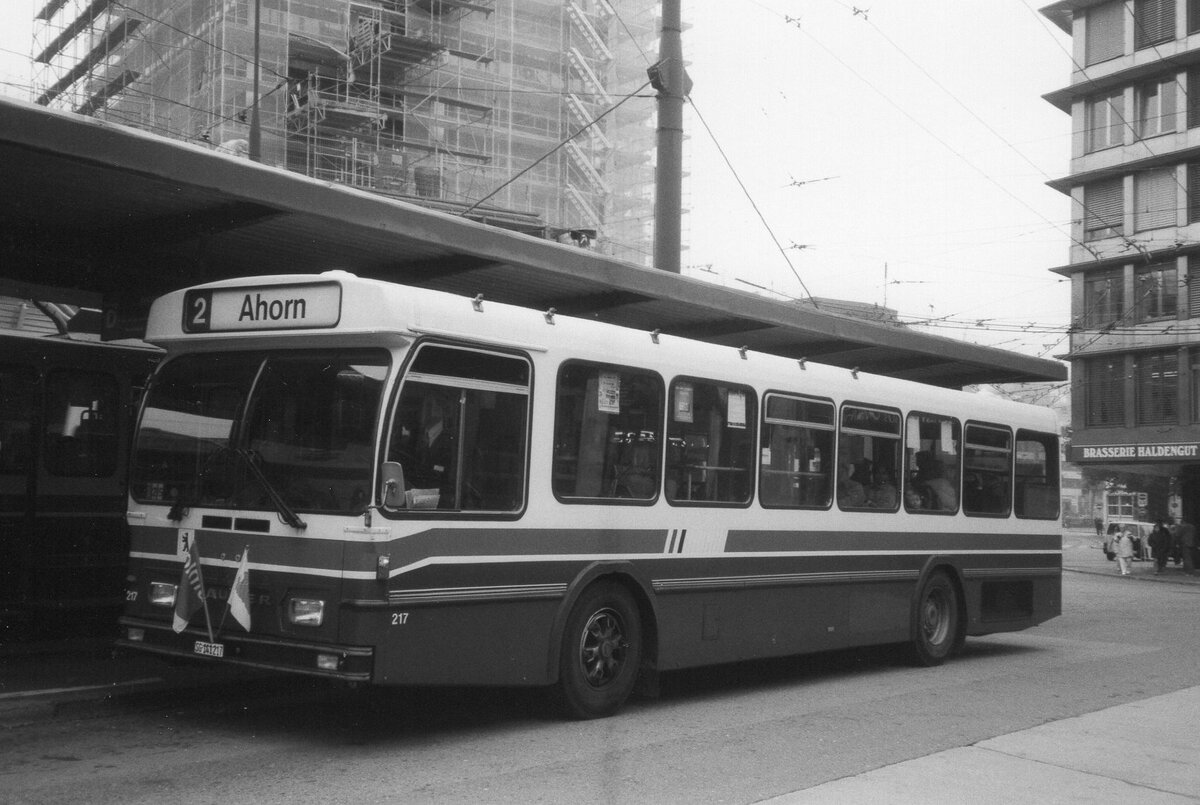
[[1187, 545], [1098, 522], [1125, 553], [1160, 546]]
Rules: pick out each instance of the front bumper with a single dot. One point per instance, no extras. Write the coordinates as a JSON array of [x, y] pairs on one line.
[[331, 661]]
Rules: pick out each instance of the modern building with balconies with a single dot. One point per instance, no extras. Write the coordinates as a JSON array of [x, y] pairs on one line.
[[1134, 184]]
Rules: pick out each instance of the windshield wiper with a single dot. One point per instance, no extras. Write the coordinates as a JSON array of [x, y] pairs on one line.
[[286, 513]]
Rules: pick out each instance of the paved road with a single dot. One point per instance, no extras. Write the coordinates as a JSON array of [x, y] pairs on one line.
[[1035, 715]]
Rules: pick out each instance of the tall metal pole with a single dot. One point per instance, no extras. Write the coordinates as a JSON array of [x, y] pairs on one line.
[[255, 122], [672, 83]]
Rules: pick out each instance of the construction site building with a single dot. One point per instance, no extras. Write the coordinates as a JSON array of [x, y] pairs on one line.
[[534, 115]]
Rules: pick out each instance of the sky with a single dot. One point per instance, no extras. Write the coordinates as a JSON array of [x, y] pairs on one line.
[[892, 153]]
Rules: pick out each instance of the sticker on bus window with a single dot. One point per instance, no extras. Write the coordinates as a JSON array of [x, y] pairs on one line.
[[948, 445], [737, 410], [608, 393], [683, 403]]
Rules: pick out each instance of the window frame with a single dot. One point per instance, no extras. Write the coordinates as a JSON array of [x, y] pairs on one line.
[[1112, 384], [1155, 199], [1160, 394], [910, 475], [558, 424], [1168, 292], [1104, 208], [827, 464], [1053, 476], [393, 410], [1156, 104], [1153, 23], [1111, 295], [1108, 132], [751, 425], [1009, 468], [851, 431], [1104, 32]]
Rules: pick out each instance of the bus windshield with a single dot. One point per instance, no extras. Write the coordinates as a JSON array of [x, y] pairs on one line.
[[246, 431]]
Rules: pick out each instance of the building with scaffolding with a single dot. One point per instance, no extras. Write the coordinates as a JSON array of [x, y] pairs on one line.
[[533, 115]]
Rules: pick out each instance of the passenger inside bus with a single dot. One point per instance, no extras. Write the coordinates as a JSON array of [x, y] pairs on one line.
[[936, 492], [851, 492], [428, 451]]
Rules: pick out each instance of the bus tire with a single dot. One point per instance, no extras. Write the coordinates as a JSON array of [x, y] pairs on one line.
[[935, 620], [601, 652]]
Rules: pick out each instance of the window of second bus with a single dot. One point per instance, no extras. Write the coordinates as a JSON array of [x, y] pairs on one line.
[[796, 453], [81, 424]]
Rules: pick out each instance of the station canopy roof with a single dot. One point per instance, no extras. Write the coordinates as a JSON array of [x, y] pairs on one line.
[[95, 212]]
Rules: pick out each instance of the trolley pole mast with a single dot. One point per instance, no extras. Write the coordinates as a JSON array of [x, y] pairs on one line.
[[255, 144], [671, 81]]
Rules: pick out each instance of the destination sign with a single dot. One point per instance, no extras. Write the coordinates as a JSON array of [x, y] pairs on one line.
[[272, 307], [1137, 452]]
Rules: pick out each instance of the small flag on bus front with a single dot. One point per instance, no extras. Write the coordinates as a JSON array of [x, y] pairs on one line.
[[190, 595], [239, 593]]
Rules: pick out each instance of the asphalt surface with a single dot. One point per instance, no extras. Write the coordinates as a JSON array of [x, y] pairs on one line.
[[1058, 762]]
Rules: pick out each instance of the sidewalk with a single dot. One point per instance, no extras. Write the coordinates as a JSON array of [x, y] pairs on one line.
[[1082, 553], [1063, 761]]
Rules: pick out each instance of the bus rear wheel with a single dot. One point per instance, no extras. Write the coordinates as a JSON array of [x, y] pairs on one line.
[[935, 627], [601, 652]]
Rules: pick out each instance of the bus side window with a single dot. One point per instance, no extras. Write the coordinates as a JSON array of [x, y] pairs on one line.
[[796, 452], [607, 433], [81, 424], [459, 430], [710, 442], [932, 459], [1037, 494], [18, 391], [868, 459], [987, 470]]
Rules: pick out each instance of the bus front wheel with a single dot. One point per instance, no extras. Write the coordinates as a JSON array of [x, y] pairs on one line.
[[601, 652], [936, 620]]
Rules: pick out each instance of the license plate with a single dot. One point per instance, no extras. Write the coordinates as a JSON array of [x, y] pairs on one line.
[[209, 649]]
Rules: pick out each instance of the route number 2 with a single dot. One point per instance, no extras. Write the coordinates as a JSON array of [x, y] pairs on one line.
[[197, 311]]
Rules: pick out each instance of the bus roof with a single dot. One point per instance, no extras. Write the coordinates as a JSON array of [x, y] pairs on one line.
[[340, 308]]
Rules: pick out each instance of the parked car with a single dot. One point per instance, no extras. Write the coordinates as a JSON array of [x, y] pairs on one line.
[[1141, 539]]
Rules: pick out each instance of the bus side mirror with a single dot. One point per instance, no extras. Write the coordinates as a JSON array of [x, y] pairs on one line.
[[393, 485]]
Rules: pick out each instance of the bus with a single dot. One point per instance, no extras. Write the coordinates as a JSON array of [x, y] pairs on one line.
[[383, 484], [67, 410]]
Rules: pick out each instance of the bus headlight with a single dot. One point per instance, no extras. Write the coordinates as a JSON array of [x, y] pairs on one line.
[[306, 611], [162, 594]]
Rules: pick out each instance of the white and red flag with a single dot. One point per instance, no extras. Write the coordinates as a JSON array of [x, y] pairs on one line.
[[189, 596], [239, 593]]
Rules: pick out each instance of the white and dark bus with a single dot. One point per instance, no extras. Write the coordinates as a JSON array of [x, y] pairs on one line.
[[422, 488]]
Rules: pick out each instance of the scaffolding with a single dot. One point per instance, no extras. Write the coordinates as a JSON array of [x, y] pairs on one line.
[[500, 109]]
